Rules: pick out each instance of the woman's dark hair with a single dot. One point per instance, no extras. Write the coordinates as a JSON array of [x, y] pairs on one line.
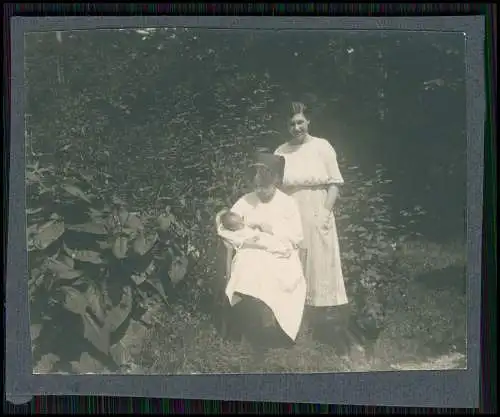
[[298, 108], [267, 176]]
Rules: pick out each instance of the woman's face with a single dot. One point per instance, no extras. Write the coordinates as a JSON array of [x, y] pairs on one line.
[[265, 193], [299, 126]]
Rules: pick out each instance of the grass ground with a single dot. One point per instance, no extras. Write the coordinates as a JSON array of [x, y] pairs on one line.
[[187, 342], [425, 319], [200, 349]]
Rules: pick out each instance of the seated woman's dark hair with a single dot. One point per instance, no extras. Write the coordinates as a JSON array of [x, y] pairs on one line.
[[268, 169], [266, 176]]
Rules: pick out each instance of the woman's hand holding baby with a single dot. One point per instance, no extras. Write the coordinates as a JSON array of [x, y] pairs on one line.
[[253, 239], [263, 227]]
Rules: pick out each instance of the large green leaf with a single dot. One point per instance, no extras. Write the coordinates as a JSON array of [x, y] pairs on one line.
[[74, 300], [143, 244], [130, 233], [118, 314], [139, 278], [121, 216], [62, 270], [84, 255], [32, 177], [87, 364], [95, 334], [34, 283], [120, 247], [76, 192], [178, 269], [142, 277], [104, 244], [133, 222], [48, 234], [97, 214], [46, 364], [35, 330], [94, 302], [158, 286], [30, 211], [165, 221], [95, 228], [67, 260], [151, 268], [31, 231], [78, 302]]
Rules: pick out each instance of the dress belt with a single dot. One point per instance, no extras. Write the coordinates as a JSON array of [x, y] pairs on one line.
[[294, 188]]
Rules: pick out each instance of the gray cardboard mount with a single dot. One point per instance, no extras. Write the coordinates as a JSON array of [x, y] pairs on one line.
[[453, 388]]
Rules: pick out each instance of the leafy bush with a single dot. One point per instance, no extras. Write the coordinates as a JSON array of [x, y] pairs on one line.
[[383, 262], [367, 235], [93, 264]]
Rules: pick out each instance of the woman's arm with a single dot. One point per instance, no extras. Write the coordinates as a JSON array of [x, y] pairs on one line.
[[233, 238], [331, 197], [334, 178], [250, 244], [236, 241]]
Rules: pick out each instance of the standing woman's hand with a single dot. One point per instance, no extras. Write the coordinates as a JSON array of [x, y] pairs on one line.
[[325, 218], [326, 213]]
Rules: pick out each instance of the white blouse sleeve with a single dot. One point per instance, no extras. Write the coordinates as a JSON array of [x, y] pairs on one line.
[[328, 157]]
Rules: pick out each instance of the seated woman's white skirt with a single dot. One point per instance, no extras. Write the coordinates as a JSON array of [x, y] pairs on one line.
[[277, 282]]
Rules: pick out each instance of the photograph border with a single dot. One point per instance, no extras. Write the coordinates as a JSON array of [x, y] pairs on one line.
[[451, 388]]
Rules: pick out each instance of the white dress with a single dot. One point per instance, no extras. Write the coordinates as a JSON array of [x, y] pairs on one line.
[[309, 169], [277, 281]]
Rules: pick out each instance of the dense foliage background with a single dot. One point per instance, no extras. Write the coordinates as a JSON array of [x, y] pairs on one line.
[[135, 138]]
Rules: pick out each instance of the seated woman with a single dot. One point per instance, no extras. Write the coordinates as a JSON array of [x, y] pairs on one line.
[[271, 287]]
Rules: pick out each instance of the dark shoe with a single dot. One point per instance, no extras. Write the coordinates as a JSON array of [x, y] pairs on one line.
[[228, 325], [232, 333], [333, 337]]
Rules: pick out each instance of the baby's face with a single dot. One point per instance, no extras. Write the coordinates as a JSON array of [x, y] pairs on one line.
[[238, 221], [235, 221]]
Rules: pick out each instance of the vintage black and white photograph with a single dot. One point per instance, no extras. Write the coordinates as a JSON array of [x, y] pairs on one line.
[[203, 201]]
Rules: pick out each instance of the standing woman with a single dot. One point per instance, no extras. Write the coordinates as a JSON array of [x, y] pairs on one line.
[[312, 178]]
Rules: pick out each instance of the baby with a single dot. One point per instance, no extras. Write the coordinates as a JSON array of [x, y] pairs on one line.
[[234, 223]]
